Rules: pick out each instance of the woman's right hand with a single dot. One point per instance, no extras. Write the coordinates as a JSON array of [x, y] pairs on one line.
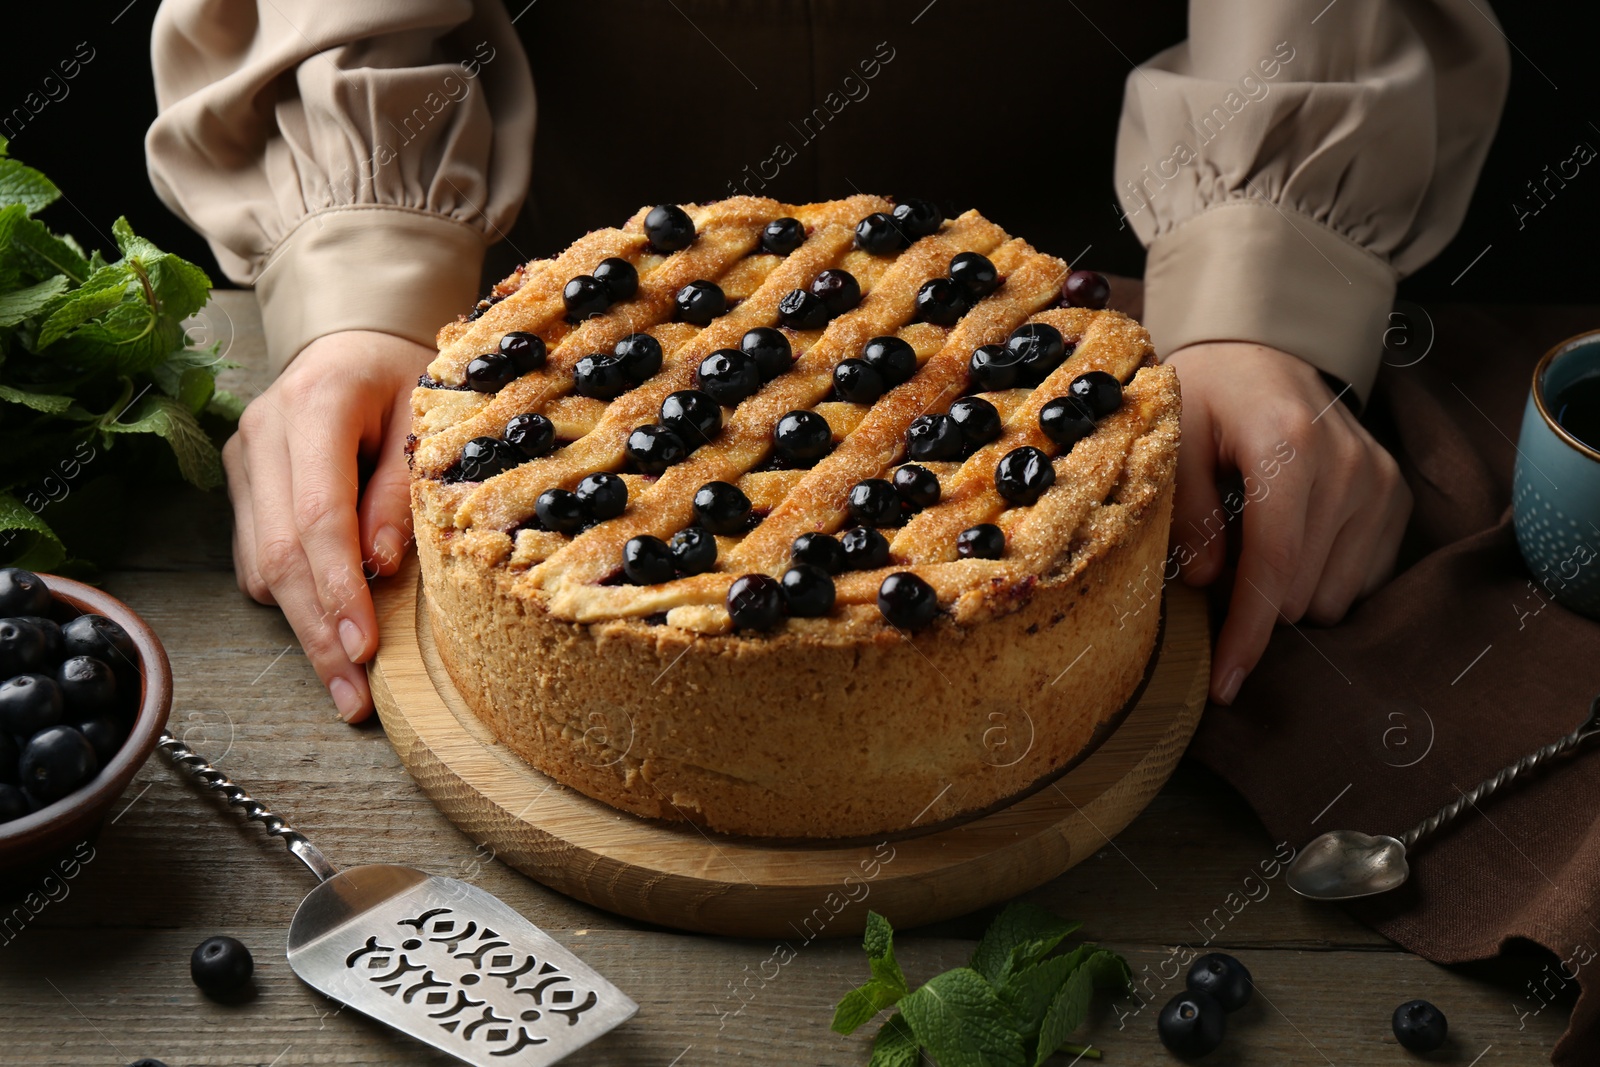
[[307, 535]]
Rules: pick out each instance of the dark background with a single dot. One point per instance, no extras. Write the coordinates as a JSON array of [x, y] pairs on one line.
[[669, 91]]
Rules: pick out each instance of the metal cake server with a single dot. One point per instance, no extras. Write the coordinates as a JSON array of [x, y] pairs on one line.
[[437, 958], [1346, 865]]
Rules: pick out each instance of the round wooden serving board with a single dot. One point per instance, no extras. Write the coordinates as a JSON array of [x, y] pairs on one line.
[[679, 875]]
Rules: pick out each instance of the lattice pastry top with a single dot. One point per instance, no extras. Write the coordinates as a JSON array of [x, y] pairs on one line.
[[669, 421]]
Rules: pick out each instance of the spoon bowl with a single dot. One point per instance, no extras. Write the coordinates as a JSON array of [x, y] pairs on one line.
[[1347, 865]]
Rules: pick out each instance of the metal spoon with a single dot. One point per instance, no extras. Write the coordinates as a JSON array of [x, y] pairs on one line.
[[1346, 864]]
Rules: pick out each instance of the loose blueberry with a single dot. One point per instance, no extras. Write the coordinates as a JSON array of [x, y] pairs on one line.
[[983, 541], [917, 217], [942, 302], [105, 734], [1086, 289], [800, 310], [1024, 474], [491, 372], [618, 277], [8, 758], [1224, 977], [88, 687], [692, 415], [30, 703], [755, 602], [873, 502], [50, 630], [907, 601], [917, 486], [1192, 1024], [838, 290], [1419, 1026], [892, 357], [526, 351], [878, 234], [600, 376], [220, 966], [802, 436], [669, 228], [857, 382], [22, 593], [978, 419], [655, 448], [770, 349], [722, 508], [585, 297], [934, 437], [1038, 348], [782, 236], [700, 302], [22, 647], [728, 376], [865, 549], [602, 496], [13, 805], [808, 590], [102, 638], [559, 510], [484, 457], [1065, 422], [1098, 391], [640, 355], [993, 368], [819, 550], [694, 550], [648, 560], [147, 1062], [531, 434], [973, 272], [56, 761]]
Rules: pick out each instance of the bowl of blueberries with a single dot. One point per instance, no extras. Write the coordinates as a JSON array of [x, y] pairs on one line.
[[84, 693]]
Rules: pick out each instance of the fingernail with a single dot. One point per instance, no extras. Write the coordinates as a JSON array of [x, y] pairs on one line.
[[345, 698], [1230, 686], [350, 637], [387, 546]]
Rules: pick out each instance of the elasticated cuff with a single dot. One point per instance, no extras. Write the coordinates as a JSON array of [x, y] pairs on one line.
[[1248, 270], [391, 270]]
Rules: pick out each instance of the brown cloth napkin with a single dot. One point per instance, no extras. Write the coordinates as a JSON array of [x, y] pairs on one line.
[[1458, 667]]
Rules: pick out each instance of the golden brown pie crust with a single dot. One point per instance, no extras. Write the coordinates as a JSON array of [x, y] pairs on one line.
[[842, 726]]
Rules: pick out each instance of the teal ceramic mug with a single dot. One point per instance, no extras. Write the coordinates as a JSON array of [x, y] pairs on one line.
[[1556, 487]]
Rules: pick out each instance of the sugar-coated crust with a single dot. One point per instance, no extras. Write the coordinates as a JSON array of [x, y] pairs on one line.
[[841, 726]]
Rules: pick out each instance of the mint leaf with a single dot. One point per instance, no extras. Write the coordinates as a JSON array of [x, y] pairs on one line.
[[1099, 970], [198, 460], [28, 302], [888, 983], [180, 287], [1019, 935], [225, 405], [48, 403], [961, 1022], [895, 1046], [26, 540], [105, 289], [1028, 993], [21, 184], [879, 943], [32, 251]]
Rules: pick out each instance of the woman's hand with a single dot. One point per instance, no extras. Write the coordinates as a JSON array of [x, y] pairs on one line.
[[306, 534], [1323, 509]]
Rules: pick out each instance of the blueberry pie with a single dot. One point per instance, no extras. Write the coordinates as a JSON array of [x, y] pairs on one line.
[[823, 520]]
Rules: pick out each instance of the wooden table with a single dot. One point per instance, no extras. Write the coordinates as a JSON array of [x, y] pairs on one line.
[[100, 976]]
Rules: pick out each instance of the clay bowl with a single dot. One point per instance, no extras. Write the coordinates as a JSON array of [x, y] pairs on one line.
[[59, 828]]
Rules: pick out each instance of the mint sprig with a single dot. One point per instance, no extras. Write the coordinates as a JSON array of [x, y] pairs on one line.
[[1014, 1005], [100, 392]]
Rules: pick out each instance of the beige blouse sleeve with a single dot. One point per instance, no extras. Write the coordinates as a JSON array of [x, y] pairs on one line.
[[308, 139], [1289, 162]]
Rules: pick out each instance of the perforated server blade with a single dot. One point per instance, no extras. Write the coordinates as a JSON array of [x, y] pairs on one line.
[[436, 958]]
